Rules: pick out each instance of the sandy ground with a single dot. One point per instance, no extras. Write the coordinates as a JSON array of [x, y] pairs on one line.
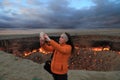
[[15, 68]]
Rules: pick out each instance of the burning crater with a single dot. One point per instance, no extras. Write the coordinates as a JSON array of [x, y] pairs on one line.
[[92, 52]]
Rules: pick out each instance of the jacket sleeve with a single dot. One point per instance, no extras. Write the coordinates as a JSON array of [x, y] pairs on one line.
[[62, 49], [47, 47]]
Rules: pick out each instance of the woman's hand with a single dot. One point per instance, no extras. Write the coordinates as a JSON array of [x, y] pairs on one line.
[[47, 37], [42, 39], [42, 42], [42, 35]]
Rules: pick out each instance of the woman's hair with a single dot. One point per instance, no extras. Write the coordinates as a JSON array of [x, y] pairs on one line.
[[70, 42]]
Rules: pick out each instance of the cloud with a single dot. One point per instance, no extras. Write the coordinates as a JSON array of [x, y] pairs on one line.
[[58, 14]]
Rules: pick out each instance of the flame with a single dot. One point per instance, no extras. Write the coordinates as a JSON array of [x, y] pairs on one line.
[[101, 48], [27, 53], [107, 48], [41, 50], [97, 49], [44, 51], [34, 50]]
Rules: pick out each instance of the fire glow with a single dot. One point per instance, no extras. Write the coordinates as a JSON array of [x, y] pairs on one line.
[[101, 48], [95, 49], [41, 50]]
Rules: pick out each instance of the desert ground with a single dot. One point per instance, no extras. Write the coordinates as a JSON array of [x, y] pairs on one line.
[[16, 68]]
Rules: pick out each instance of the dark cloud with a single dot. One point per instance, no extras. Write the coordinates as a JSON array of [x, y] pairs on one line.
[[58, 14], [107, 13]]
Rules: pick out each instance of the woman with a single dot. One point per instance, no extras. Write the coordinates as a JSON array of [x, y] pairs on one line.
[[62, 52]]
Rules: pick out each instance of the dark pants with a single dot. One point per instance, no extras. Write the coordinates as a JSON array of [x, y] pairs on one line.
[[60, 76]]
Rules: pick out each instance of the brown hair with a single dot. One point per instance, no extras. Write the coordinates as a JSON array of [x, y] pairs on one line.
[[70, 42]]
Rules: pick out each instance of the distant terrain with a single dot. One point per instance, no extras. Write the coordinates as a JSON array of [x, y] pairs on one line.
[[57, 31]]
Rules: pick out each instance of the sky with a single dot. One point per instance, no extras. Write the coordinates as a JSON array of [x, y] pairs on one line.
[[63, 14]]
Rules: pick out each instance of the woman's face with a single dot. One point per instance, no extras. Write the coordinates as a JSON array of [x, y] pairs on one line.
[[62, 40]]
